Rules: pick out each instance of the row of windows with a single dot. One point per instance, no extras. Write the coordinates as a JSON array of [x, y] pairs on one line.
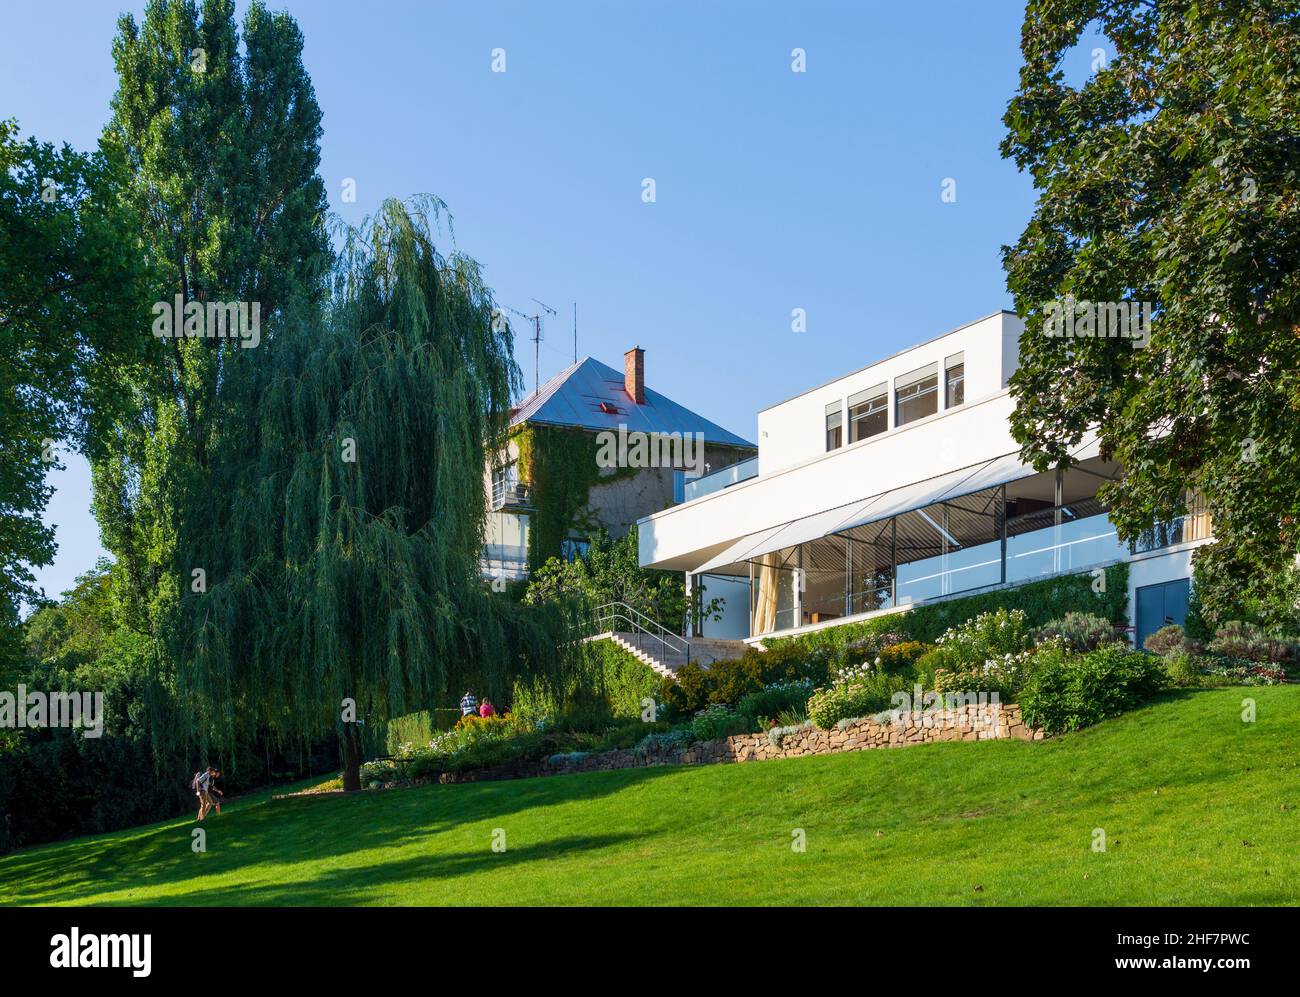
[[916, 395]]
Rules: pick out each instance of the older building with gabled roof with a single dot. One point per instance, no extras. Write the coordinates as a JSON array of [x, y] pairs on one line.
[[594, 449]]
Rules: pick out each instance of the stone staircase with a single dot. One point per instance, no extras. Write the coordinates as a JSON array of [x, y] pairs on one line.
[[666, 659]]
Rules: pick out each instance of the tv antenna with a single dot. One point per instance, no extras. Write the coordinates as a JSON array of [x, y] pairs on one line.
[[537, 337]]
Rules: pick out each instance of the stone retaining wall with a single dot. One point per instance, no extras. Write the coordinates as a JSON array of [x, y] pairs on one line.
[[966, 723]]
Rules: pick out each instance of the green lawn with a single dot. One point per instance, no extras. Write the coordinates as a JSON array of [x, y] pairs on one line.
[[1197, 806]]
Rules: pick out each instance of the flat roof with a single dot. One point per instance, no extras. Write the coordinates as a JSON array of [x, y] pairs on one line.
[[899, 353]]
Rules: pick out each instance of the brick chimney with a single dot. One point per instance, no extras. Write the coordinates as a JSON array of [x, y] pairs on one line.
[[634, 374]]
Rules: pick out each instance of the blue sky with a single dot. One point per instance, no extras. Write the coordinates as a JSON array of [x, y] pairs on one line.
[[775, 190]]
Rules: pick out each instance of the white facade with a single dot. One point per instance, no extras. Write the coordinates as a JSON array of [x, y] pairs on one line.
[[988, 346], [901, 483]]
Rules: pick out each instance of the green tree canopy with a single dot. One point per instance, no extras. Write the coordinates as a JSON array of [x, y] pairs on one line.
[[68, 282], [610, 571], [1169, 176], [220, 143], [342, 529]]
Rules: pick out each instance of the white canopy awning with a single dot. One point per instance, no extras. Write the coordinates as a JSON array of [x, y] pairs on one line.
[[944, 487]]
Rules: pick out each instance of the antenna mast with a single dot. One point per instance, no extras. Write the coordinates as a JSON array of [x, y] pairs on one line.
[[537, 338], [537, 342]]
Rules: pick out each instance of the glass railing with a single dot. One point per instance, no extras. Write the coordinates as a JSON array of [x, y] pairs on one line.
[[1068, 547], [870, 599], [956, 571], [1051, 550], [720, 479], [1175, 531]]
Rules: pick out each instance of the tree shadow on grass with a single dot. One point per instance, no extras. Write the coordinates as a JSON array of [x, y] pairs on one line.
[[382, 882], [281, 833]]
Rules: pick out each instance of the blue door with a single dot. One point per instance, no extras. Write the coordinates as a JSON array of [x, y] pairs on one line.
[[1160, 606]]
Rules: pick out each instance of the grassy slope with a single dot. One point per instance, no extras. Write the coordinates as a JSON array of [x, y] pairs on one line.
[[1198, 807]]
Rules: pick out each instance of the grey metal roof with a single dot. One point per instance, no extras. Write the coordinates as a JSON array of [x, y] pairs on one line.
[[573, 396]]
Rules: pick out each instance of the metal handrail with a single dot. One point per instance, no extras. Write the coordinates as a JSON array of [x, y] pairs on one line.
[[604, 617], [508, 493]]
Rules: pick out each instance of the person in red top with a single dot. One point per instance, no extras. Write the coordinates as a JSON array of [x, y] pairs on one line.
[[486, 709]]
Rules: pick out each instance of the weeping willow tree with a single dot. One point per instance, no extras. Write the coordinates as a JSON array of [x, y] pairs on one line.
[[339, 537]]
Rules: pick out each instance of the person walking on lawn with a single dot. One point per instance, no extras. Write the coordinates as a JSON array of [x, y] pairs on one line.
[[213, 791], [203, 789]]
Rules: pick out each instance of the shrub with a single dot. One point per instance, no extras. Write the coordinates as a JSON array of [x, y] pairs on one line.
[[776, 735], [868, 646], [937, 658], [671, 740], [1171, 640], [855, 692], [719, 721], [1182, 670], [1081, 632], [628, 735], [624, 681], [850, 642], [1040, 601], [900, 657], [792, 717], [727, 682], [1239, 672], [567, 758], [1067, 693], [775, 699], [380, 771], [987, 636], [475, 742], [588, 717], [687, 691], [1004, 675], [1251, 643], [419, 727]]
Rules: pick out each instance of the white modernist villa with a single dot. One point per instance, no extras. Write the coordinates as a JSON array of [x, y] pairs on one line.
[[899, 484]]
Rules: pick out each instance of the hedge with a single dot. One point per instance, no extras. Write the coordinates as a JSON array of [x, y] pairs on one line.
[[1042, 601], [624, 680]]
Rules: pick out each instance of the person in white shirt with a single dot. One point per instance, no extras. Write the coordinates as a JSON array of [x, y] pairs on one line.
[[468, 704], [203, 789]]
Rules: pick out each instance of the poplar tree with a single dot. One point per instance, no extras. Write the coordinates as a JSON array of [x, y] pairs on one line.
[[219, 139]]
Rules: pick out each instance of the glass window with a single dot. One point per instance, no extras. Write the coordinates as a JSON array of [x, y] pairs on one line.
[[506, 537], [954, 381], [505, 477], [834, 426], [868, 413], [917, 395], [505, 485]]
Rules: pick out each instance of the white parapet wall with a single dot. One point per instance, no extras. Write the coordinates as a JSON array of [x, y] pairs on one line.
[[685, 536]]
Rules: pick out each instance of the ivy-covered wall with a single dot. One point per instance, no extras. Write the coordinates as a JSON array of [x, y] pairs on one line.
[[559, 467], [572, 494], [625, 681]]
